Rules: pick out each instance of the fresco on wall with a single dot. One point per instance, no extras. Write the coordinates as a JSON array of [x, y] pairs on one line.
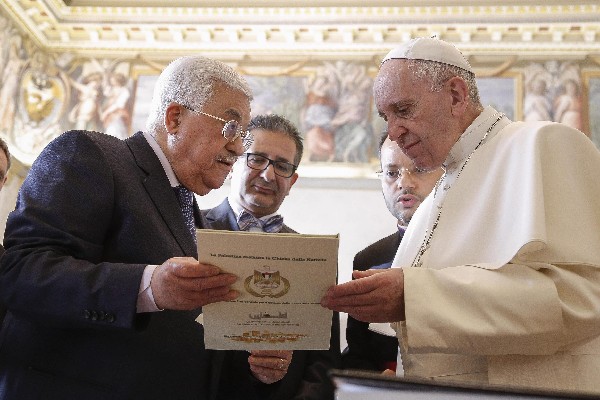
[[101, 91], [594, 110], [553, 92], [43, 95], [331, 106]]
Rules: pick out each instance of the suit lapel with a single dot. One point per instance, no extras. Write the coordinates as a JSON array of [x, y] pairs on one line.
[[222, 217], [160, 192]]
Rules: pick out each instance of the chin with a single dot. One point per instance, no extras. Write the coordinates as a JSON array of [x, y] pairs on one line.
[[203, 188]]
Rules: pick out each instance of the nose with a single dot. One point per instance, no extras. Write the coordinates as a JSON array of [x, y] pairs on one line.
[[236, 146], [268, 174], [406, 180], [395, 129]]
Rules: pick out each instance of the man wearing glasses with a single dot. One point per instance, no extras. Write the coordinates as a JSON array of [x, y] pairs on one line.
[[260, 181], [100, 275], [404, 187]]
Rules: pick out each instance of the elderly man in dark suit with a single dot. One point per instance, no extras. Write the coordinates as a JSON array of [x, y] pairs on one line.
[[261, 180], [404, 187], [99, 275]]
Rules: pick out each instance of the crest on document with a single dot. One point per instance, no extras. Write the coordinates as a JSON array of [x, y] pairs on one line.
[[266, 283]]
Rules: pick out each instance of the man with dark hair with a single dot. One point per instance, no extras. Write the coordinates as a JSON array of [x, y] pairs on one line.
[[404, 187], [260, 181], [100, 275]]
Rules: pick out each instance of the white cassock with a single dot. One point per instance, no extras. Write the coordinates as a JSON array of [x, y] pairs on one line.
[[508, 291]]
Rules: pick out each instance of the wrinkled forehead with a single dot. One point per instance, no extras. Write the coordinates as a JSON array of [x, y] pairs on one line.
[[394, 75], [231, 102]]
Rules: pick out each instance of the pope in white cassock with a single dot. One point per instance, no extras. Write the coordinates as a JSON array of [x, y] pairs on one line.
[[497, 278]]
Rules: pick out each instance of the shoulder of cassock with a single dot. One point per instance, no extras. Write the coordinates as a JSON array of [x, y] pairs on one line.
[[531, 193]]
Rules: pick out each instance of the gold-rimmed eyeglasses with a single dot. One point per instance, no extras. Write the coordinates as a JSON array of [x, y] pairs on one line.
[[231, 129]]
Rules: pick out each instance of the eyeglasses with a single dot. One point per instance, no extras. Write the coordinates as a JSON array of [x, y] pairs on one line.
[[260, 163], [392, 175], [231, 129]]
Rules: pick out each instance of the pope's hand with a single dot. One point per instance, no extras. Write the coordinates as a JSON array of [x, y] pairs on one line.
[[373, 296]]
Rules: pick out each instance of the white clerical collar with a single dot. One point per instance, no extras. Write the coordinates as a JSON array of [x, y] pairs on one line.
[[237, 208], [173, 181], [471, 137]]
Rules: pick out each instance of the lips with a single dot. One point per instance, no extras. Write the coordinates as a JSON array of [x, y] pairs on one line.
[[407, 147], [263, 189], [408, 200]]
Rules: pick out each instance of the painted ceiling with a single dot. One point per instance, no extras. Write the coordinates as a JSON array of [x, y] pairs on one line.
[[271, 30]]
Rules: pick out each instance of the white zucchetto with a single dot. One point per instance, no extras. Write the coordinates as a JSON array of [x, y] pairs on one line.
[[430, 49]]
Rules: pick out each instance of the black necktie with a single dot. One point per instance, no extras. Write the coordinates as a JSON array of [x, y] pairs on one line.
[[186, 202], [271, 225]]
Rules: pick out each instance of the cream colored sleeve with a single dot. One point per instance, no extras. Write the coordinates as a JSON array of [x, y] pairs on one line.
[[516, 309]]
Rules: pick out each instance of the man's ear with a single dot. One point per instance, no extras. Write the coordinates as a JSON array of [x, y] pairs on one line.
[[293, 179], [172, 117], [459, 92]]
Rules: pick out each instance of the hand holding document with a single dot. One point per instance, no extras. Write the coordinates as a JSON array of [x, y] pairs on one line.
[[281, 280]]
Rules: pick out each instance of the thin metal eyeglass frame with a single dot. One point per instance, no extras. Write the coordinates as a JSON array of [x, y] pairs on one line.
[[270, 162], [246, 135]]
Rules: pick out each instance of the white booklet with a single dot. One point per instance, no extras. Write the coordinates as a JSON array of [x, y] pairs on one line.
[[282, 278]]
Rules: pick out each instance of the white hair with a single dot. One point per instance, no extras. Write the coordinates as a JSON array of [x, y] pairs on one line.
[[438, 73], [189, 81]]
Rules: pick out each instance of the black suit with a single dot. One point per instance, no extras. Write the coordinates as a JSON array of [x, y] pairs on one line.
[[93, 212], [366, 349], [2, 307], [306, 377]]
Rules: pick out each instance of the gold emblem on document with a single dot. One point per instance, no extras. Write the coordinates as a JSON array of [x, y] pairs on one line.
[[266, 283]]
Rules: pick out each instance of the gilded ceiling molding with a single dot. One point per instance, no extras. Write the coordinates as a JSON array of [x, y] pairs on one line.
[[279, 72], [287, 34], [595, 59], [497, 71]]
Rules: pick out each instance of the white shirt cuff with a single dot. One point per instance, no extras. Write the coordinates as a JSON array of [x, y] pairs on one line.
[[145, 301]]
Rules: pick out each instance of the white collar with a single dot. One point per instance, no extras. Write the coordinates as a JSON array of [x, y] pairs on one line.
[[468, 141], [237, 208], [173, 181]]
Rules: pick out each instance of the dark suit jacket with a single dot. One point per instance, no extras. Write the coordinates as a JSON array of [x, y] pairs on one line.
[[92, 213], [2, 307], [307, 374], [366, 349]]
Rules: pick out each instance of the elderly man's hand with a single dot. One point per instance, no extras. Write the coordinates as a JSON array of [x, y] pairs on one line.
[[373, 296], [269, 366], [182, 283]]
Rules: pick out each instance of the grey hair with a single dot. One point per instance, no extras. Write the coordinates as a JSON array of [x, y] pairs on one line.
[[277, 123], [190, 81], [438, 73]]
